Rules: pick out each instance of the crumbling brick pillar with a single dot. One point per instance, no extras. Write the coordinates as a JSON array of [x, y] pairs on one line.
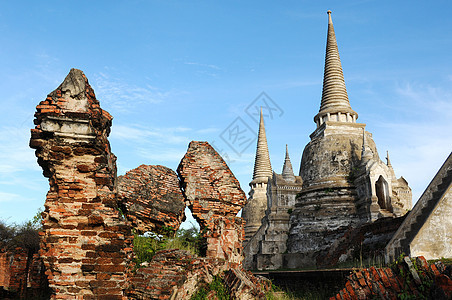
[[215, 198], [151, 199], [85, 245]]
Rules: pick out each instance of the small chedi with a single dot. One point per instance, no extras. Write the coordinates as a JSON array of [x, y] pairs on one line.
[[342, 184], [254, 209], [87, 243]]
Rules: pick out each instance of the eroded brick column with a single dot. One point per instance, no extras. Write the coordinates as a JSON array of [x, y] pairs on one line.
[[215, 198], [151, 199], [85, 243]]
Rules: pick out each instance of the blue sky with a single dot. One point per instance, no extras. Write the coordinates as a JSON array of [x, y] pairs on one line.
[[175, 71]]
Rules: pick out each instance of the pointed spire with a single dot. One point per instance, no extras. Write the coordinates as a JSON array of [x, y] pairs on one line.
[[287, 171], [366, 152], [334, 94], [262, 166], [388, 162]]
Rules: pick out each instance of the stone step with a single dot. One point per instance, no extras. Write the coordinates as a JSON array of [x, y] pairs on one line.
[[417, 222]]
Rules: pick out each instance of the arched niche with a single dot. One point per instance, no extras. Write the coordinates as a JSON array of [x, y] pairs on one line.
[[382, 193]]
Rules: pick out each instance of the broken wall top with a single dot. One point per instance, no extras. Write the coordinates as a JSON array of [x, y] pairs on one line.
[[208, 183], [72, 112], [152, 198]]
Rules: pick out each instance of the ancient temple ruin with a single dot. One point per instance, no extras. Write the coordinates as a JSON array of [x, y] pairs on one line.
[[254, 210], [426, 230], [342, 183], [215, 197], [344, 194], [269, 243], [86, 244], [151, 198]]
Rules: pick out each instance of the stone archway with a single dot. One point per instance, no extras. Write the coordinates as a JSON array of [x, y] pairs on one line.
[[382, 192]]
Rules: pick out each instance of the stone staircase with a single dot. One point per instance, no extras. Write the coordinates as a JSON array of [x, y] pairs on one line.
[[426, 210], [421, 211]]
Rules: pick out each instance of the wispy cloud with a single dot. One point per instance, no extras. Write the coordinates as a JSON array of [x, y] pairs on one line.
[[427, 100], [162, 155], [208, 130], [203, 65], [156, 146], [122, 96], [9, 197], [139, 133], [15, 155], [420, 143], [205, 69]]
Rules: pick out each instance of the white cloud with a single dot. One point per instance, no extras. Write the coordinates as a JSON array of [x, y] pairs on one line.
[[122, 96], [203, 65], [141, 134], [207, 130], [9, 197], [420, 143], [15, 154], [162, 155], [428, 101]]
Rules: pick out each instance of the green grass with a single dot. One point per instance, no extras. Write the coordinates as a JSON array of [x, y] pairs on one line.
[[145, 246], [216, 285]]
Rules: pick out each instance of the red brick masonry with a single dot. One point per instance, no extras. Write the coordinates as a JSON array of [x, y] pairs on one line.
[[411, 278], [151, 198], [85, 244], [215, 198]]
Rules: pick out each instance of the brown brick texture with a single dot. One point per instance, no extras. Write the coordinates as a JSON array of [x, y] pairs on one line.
[[416, 280], [151, 198], [215, 197], [83, 238]]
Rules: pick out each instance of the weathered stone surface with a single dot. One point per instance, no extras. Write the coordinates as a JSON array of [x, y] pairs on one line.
[[344, 181], [208, 184], [344, 184], [365, 242], [151, 198], [273, 242], [215, 198], [255, 207], [84, 238], [265, 249], [427, 230]]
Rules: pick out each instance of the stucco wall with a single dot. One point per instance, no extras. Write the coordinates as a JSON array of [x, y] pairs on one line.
[[434, 240]]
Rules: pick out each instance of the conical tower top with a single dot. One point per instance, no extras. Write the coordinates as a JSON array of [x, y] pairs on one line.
[[388, 162], [262, 166], [287, 171], [335, 105]]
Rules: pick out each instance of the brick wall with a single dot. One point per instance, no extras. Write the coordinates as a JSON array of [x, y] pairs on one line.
[[215, 198], [22, 276], [85, 245], [412, 279], [5, 270], [151, 198]]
